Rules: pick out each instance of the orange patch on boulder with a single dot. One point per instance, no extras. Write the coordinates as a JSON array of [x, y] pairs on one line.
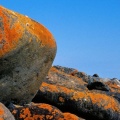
[[13, 27]]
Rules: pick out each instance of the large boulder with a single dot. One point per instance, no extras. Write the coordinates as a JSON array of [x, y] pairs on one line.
[[27, 50]]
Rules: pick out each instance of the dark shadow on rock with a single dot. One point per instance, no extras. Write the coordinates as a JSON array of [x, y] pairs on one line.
[[98, 86]]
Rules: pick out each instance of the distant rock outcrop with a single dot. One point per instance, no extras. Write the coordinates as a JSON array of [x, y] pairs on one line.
[[27, 50]]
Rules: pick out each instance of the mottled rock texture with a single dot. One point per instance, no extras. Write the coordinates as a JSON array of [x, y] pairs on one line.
[[67, 89], [27, 50], [5, 114], [37, 111], [114, 88], [41, 111]]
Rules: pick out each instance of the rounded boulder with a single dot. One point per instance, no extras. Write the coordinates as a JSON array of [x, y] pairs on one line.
[[27, 50]]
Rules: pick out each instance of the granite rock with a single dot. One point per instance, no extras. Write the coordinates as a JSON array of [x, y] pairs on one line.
[[41, 111], [27, 50], [114, 85], [62, 78], [83, 103], [69, 93]]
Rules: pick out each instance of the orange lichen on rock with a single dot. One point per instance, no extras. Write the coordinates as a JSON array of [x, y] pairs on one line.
[[42, 111], [1, 111], [9, 36], [49, 87], [44, 106], [101, 100], [38, 111], [54, 70], [59, 89], [1, 119], [13, 26], [113, 87], [69, 116], [106, 101], [53, 88], [27, 50], [24, 112], [61, 99]]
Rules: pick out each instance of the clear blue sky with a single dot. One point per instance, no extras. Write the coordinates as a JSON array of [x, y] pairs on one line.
[[87, 32]]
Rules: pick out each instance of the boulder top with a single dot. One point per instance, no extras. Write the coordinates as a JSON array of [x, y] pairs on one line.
[[13, 26]]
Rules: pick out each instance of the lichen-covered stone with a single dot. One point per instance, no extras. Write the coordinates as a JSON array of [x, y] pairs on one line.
[[5, 114], [27, 50], [70, 94], [58, 77], [73, 72], [91, 104], [39, 111], [114, 86]]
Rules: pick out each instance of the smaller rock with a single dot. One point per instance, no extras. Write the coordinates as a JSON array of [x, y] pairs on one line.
[[58, 76], [39, 111], [98, 86], [95, 75], [73, 72], [5, 113], [114, 88], [65, 69]]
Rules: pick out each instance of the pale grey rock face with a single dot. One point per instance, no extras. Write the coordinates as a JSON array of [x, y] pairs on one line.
[[27, 50], [5, 114]]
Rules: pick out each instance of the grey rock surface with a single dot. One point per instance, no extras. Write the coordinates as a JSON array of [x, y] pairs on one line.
[[27, 50]]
